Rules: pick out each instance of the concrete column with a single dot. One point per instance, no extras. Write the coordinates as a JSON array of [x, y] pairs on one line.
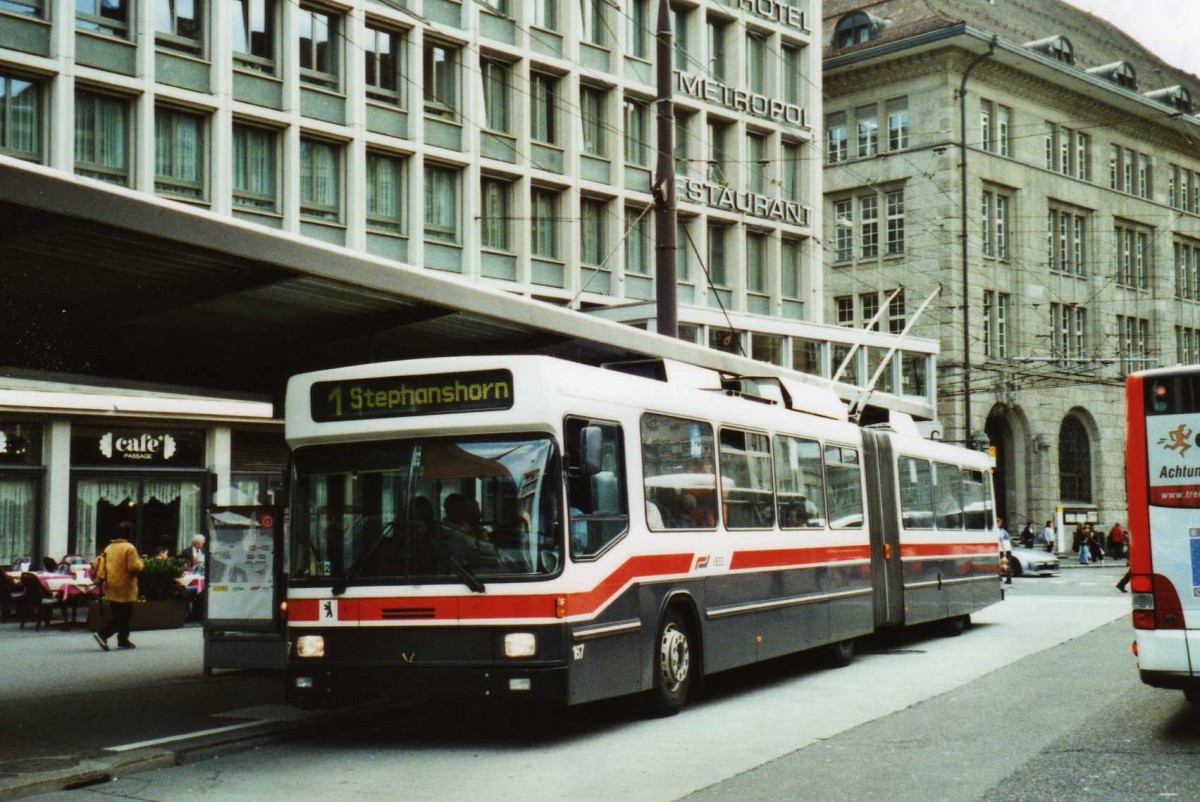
[[56, 495], [218, 450]]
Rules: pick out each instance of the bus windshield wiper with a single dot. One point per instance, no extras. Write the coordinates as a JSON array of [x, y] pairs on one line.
[[356, 567], [461, 571]]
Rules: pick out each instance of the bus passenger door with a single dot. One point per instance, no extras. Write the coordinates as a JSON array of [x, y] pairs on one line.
[[887, 579]]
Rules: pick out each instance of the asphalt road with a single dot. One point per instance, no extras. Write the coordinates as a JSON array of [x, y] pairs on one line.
[[1040, 700]]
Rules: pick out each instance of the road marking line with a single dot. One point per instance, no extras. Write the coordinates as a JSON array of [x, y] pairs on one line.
[[185, 736]]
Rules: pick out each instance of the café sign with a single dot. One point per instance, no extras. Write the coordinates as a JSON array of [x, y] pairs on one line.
[[713, 91], [137, 448], [719, 197]]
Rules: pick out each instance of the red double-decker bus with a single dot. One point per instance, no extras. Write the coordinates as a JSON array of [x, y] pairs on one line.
[[1163, 482]]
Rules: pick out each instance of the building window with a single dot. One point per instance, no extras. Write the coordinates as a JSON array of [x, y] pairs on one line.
[[545, 14], [441, 80], [718, 66], [718, 272], [386, 193], [718, 168], [383, 52], [1066, 164], [32, 8], [637, 28], [103, 16], [500, 7], [756, 167], [637, 241], [591, 18], [1133, 343], [791, 268], [1144, 171], [544, 237], [756, 62], [1113, 166], [844, 306], [756, 262], [593, 229], [1074, 462], [985, 124], [1127, 165], [683, 251], [178, 153], [1083, 156], [793, 75], [20, 118], [595, 140], [441, 203], [1004, 131], [853, 29], [896, 312], [843, 227], [895, 223], [1133, 255], [252, 30], [637, 133], [254, 154], [868, 303], [544, 112], [792, 166], [995, 323], [995, 224], [177, 24], [318, 31], [897, 117], [497, 77], [495, 214], [868, 214], [867, 120], [320, 180], [837, 142], [102, 137], [1187, 269], [1066, 236], [1068, 333]]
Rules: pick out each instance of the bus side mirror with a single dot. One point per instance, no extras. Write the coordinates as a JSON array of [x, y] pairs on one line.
[[591, 442]]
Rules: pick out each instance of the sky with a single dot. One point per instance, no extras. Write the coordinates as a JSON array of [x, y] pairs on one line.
[[1167, 27]]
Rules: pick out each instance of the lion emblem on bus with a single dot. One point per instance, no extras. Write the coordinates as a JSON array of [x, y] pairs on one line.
[[1178, 439]]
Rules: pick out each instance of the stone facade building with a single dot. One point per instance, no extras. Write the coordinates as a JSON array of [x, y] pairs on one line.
[[1078, 190]]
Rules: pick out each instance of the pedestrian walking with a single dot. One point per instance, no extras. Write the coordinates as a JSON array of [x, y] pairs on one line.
[[117, 568], [1081, 542], [1004, 544], [1048, 539], [1123, 582], [1095, 549], [1116, 542]]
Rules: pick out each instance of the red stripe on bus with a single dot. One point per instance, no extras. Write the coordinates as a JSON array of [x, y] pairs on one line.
[[775, 558], [1137, 475], [947, 549]]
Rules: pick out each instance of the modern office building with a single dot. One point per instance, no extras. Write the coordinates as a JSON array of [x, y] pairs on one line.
[[1077, 186]]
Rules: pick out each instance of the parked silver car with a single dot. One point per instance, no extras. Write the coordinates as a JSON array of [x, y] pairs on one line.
[[1033, 562]]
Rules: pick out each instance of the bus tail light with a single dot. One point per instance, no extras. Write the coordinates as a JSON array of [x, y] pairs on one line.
[[1155, 603]]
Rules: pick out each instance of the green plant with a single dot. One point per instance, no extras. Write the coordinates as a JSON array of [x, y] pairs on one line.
[[157, 582]]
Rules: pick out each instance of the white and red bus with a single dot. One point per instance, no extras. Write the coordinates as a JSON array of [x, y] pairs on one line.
[[1163, 485], [524, 526]]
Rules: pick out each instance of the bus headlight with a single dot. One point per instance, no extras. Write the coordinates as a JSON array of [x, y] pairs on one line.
[[310, 646], [520, 644]]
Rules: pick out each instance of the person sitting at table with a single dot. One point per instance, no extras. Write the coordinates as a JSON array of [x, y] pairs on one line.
[[49, 566], [193, 556]]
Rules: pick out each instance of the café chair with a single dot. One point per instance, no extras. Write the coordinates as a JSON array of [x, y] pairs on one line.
[[38, 602], [11, 595], [21, 564]]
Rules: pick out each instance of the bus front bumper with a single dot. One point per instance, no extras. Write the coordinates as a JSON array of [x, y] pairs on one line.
[[312, 686]]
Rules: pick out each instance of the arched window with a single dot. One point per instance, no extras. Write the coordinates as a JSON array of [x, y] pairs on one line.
[[1058, 48], [1074, 461], [854, 29]]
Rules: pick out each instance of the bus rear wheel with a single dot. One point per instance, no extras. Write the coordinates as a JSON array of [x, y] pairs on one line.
[[672, 666]]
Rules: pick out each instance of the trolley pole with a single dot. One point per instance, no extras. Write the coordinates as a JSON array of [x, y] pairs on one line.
[[664, 180]]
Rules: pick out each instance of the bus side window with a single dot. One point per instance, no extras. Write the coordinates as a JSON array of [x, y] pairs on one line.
[[747, 492], [801, 483], [597, 505], [680, 473], [916, 497], [843, 481], [978, 502], [947, 496]]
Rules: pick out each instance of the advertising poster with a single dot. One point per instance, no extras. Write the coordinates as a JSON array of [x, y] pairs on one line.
[[1173, 443], [242, 566]]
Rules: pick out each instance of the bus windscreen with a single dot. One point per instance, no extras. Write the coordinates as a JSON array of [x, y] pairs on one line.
[[1173, 440]]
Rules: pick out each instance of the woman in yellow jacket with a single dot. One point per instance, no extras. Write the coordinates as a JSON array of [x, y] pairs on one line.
[[117, 567]]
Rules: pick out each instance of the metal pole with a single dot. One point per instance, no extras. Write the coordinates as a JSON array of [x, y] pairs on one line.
[[966, 278], [664, 180]]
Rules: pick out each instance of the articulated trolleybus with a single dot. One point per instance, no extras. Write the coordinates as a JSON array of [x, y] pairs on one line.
[[1163, 487], [530, 527]]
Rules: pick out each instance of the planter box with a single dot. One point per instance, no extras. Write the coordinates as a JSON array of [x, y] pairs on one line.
[[168, 614]]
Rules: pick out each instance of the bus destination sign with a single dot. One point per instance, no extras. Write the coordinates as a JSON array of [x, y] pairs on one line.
[[410, 396]]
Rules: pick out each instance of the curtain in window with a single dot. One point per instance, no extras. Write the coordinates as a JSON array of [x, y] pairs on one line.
[[383, 187], [318, 174], [441, 203], [545, 224], [495, 95], [111, 132], [592, 224], [187, 493], [254, 161], [177, 146], [88, 494], [18, 513], [543, 108], [495, 215], [19, 105]]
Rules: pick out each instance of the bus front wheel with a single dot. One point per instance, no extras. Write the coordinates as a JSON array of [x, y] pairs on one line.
[[672, 665]]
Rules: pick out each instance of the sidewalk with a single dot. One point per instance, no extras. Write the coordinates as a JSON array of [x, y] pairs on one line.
[[74, 715]]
